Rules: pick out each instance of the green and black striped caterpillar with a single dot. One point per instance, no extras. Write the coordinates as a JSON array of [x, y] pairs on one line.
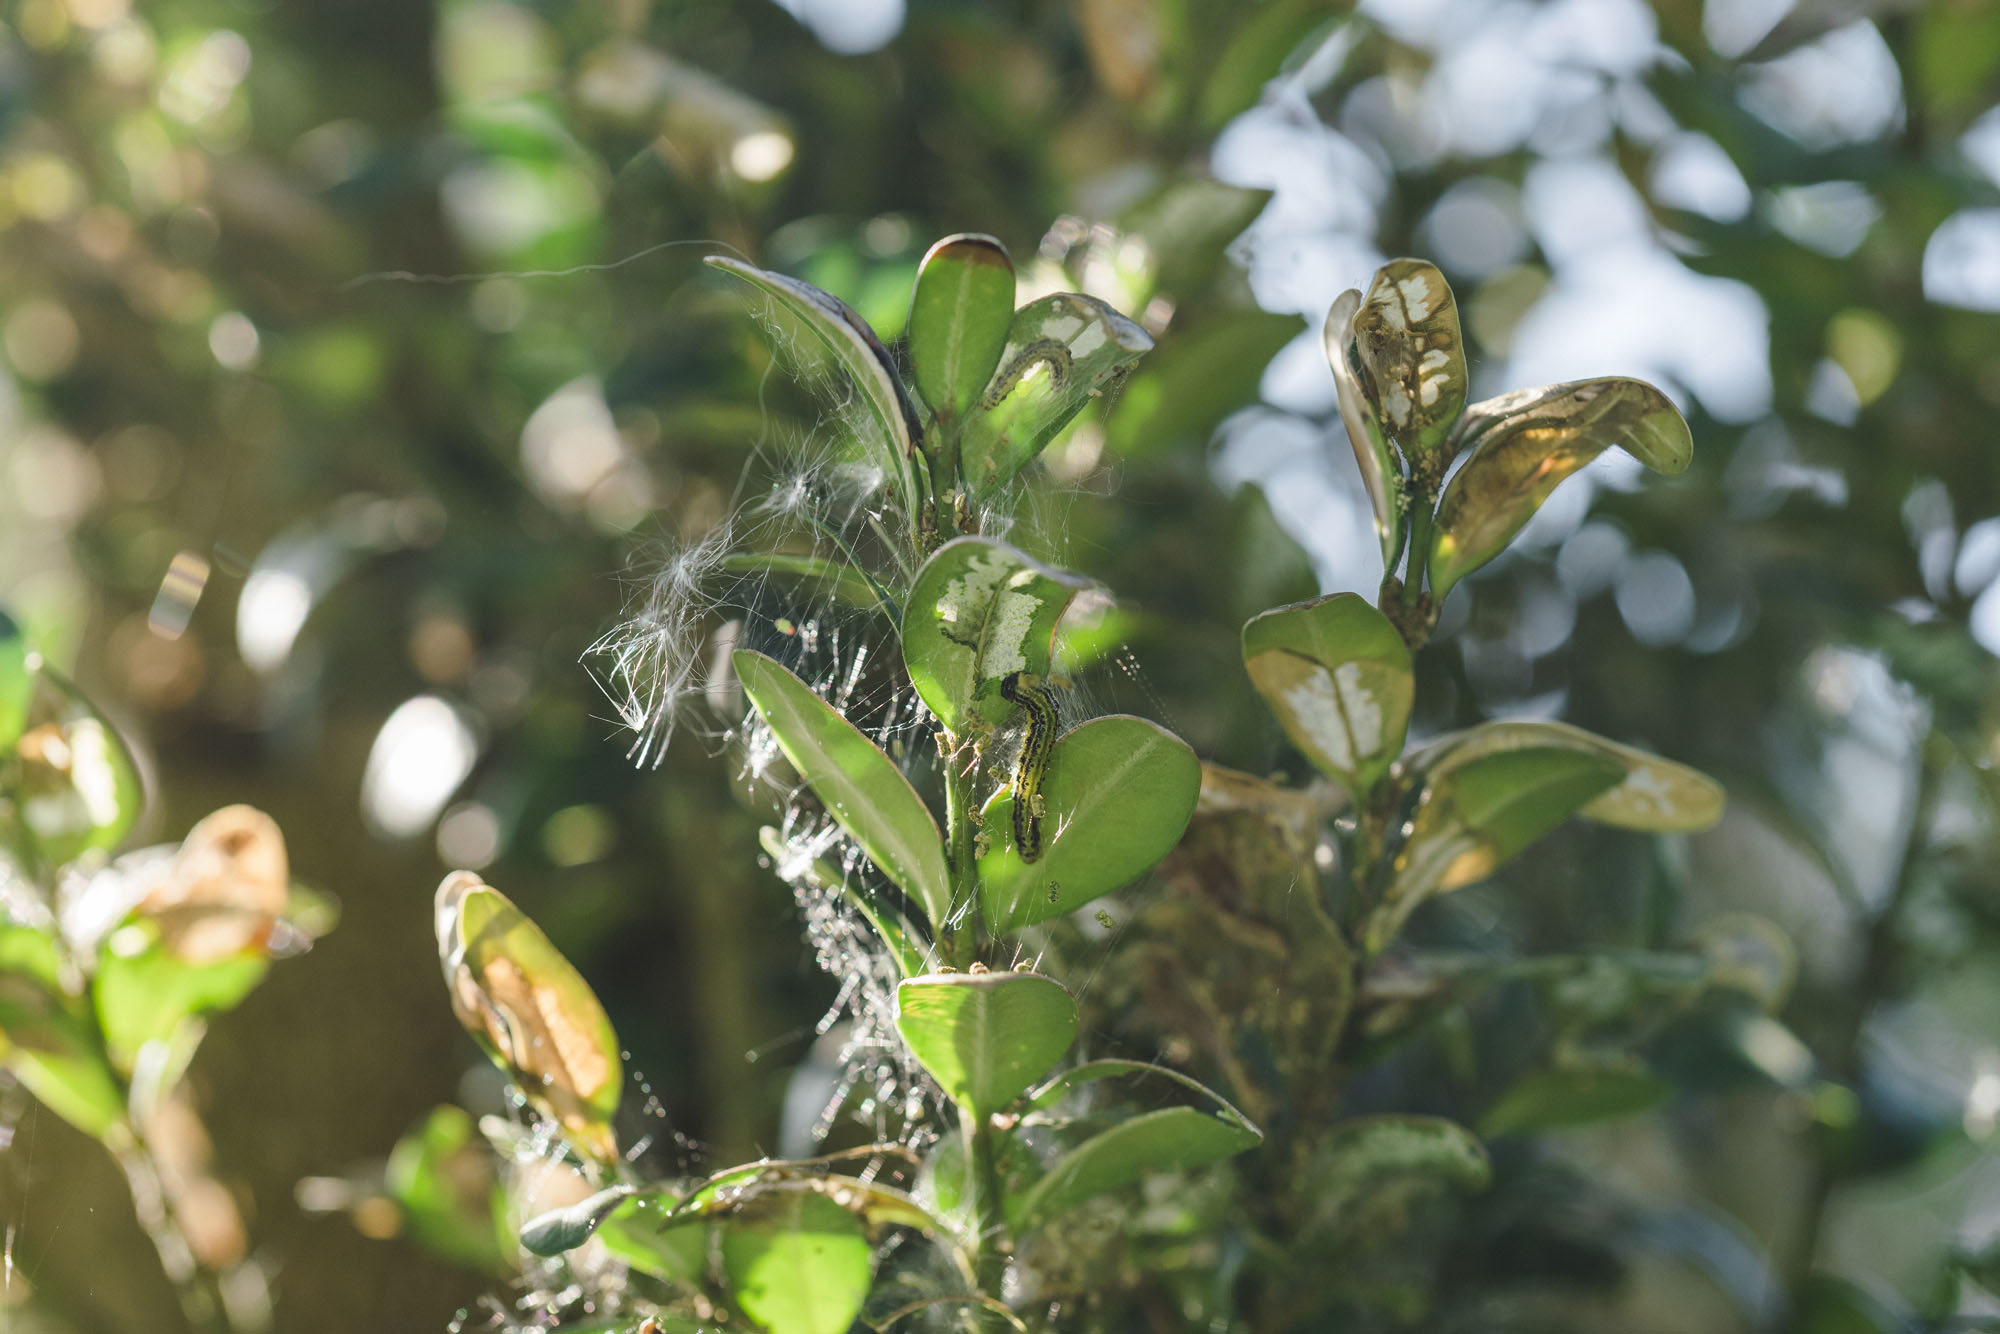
[[1039, 703]]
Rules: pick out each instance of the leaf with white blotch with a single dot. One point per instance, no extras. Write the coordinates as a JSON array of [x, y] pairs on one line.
[[532, 1012], [890, 431], [859, 785], [799, 1265], [986, 1036], [960, 315], [1376, 1163], [1406, 335], [1381, 476], [1337, 674], [1655, 796], [1474, 816], [1117, 795], [1519, 446], [1170, 1139], [980, 610], [1063, 352]]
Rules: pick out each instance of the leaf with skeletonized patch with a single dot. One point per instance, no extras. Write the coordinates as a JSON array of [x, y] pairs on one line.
[[1381, 477], [1063, 352], [1406, 334], [1519, 446]]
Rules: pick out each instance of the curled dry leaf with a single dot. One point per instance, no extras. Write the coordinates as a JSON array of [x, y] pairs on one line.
[[225, 889], [531, 1010]]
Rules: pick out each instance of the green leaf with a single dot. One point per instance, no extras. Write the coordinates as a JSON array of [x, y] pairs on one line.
[[531, 1011], [892, 434], [442, 1177], [73, 1083], [1199, 377], [144, 992], [1381, 476], [78, 787], [1255, 55], [569, 1227], [1475, 816], [859, 785], [47, 1044], [1521, 445], [1377, 1163], [17, 681], [844, 583], [986, 1036], [1573, 1096], [803, 1266], [1063, 352], [1171, 1139], [1090, 1072], [1188, 224], [1413, 360], [980, 610], [639, 1233], [1338, 676], [1653, 795], [1117, 795], [31, 952], [960, 314]]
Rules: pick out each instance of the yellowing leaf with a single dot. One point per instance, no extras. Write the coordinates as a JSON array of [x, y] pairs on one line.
[[531, 1010], [1521, 445]]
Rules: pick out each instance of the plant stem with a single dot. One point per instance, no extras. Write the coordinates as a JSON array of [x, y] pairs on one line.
[[1880, 962], [1420, 543], [989, 1251], [198, 1287], [957, 946]]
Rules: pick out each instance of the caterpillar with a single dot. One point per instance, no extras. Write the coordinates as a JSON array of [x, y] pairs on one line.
[[1052, 352], [1039, 702]]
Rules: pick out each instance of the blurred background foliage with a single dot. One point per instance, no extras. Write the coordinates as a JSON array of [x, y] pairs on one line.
[[358, 373]]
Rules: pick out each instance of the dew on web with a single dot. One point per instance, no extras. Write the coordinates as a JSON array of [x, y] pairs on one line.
[[845, 946]]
